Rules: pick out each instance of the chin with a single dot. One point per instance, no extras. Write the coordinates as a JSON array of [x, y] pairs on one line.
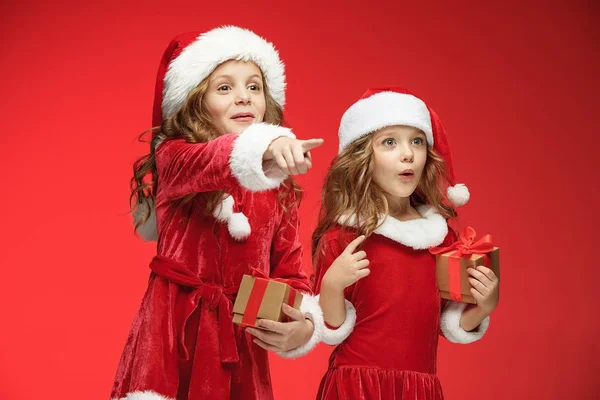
[[237, 129], [402, 193]]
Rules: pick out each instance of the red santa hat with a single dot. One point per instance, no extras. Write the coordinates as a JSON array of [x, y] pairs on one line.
[[381, 107], [192, 57], [188, 60]]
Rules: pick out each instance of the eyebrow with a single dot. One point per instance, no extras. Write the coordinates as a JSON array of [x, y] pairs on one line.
[[391, 133], [231, 77]]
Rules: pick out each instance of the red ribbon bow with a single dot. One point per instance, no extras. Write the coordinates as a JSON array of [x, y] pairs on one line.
[[464, 247], [257, 294]]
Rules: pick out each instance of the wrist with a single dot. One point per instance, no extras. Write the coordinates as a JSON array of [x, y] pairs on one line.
[[330, 286], [472, 317]]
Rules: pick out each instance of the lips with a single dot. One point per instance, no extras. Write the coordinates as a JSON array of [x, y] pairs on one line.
[[406, 175], [243, 117]]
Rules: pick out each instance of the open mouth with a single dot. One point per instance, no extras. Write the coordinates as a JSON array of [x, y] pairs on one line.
[[407, 174]]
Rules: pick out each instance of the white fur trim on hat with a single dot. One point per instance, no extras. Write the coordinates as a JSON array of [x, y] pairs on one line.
[[246, 160], [199, 59], [381, 110], [334, 337], [458, 194], [146, 395], [148, 230], [450, 324], [310, 308], [420, 233]]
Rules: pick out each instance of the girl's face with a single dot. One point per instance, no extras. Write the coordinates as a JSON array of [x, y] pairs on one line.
[[399, 154], [235, 96]]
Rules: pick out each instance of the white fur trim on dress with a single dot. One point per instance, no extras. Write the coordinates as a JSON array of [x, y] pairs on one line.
[[419, 234], [450, 324], [458, 194], [310, 308], [334, 337], [381, 110], [238, 226], [146, 395], [148, 230], [246, 160], [199, 59], [237, 223], [224, 210]]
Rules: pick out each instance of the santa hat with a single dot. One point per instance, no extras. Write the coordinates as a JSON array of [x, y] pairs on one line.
[[188, 60], [381, 107], [192, 57]]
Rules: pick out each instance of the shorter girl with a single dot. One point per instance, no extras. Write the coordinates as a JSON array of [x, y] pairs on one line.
[[386, 185]]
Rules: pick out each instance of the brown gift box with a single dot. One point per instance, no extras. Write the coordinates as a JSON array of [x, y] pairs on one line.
[[276, 294], [443, 279]]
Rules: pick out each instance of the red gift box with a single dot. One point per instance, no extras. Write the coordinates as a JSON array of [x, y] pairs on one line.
[[452, 263], [262, 298]]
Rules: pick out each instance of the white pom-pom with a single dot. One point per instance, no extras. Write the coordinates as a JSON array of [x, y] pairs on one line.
[[458, 194], [224, 210], [239, 227], [148, 230]]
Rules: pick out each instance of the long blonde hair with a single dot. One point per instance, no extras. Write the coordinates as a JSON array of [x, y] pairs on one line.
[[349, 189], [193, 123]]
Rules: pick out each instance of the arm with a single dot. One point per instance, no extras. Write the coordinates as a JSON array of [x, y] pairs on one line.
[[298, 337], [338, 269], [220, 164], [451, 326]]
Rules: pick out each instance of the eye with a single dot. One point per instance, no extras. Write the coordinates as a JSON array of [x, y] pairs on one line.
[[418, 141], [254, 87], [224, 88], [388, 142]]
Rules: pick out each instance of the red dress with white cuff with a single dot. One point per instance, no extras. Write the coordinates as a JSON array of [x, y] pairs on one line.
[[390, 352], [183, 343]]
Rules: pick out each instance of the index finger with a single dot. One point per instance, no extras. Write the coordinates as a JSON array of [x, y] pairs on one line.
[[354, 244], [311, 144]]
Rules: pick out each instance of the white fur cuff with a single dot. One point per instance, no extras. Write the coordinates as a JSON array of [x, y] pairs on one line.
[[311, 309], [146, 395], [334, 337], [246, 159], [450, 325]]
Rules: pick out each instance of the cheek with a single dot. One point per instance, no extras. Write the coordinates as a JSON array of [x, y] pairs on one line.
[[261, 105], [217, 107], [380, 170], [421, 159]]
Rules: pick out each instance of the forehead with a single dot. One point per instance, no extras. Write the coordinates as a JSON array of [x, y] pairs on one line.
[[236, 68], [398, 130]]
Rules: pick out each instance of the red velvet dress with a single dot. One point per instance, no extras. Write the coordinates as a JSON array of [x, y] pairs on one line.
[[391, 352], [183, 343]]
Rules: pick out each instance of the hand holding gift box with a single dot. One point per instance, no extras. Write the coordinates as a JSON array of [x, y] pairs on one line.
[[452, 263], [260, 297]]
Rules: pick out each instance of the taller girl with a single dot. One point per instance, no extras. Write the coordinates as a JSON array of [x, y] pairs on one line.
[[223, 204]]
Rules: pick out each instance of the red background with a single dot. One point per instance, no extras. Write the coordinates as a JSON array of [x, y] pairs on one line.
[[515, 85]]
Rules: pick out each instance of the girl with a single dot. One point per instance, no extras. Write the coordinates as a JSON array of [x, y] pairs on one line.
[[386, 185], [218, 165]]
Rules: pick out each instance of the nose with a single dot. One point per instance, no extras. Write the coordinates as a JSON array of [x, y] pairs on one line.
[[242, 96], [406, 153]]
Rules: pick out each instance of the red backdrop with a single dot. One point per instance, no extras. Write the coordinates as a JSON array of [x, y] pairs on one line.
[[514, 84]]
